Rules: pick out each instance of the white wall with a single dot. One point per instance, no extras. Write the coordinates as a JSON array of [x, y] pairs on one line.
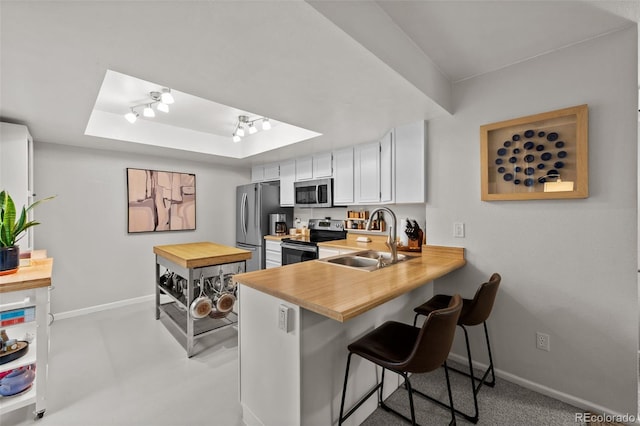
[[85, 228], [568, 266]]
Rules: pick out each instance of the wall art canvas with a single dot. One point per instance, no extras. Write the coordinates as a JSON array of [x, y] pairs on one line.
[[160, 200], [541, 156]]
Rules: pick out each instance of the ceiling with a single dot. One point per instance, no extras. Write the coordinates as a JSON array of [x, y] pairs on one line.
[[349, 70]]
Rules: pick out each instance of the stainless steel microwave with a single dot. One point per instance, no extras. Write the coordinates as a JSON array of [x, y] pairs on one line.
[[314, 193]]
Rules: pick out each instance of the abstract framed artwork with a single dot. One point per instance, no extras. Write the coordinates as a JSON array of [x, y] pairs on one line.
[[541, 156], [160, 201]]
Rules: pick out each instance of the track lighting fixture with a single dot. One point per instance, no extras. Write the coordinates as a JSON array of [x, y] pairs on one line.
[[250, 125], [160, 99]]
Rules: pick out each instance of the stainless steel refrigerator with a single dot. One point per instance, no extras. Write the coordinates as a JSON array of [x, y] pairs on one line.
[[254, 203]]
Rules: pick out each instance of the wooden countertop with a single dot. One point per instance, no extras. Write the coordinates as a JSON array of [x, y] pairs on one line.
[[36, 274], [196, 255], [342, 293]]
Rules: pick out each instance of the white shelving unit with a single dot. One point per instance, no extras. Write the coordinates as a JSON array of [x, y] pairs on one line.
[[38, 352]]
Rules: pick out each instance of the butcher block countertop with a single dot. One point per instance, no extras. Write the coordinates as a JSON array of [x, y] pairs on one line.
[[34, 275], [342, 293], [197, 255]]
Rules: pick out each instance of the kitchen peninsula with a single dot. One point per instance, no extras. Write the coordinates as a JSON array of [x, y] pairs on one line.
[[296, 322]]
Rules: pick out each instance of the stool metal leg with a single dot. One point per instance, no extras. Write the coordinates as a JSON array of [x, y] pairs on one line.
[[410, 392], [362, 401], [453, 411], [492, 383]]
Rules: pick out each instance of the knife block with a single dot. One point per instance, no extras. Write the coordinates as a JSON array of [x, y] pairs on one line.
[[414, 245]]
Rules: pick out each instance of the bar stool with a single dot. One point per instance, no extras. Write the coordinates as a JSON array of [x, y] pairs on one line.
[[474, 312], [404, 349]]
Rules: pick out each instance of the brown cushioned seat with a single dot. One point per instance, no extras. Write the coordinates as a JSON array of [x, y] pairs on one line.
[[403, 349]]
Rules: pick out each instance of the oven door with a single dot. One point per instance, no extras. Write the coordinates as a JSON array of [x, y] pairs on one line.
[[296, 253]]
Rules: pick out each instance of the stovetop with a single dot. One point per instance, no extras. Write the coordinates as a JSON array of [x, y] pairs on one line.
[[321, 230]]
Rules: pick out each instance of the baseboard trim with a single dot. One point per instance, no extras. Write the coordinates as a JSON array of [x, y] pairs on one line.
[[104, 307], [544, 390]]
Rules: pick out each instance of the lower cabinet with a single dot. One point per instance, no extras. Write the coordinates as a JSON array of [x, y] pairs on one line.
[[273, 254], [324, 252]]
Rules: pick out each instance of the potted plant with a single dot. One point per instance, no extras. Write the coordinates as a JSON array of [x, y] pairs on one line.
[[11, 230]]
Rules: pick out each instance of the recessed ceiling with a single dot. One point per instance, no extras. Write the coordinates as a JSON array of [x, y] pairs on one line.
[[192, 123]]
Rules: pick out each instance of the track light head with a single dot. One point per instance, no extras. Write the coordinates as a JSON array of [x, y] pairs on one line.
[[131, 116], [166, 97], [252, 129], [236, 138], [266, 124], [240, 131], [148, 111]]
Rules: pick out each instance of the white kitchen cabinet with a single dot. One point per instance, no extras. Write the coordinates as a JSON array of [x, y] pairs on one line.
[[343, 177], [373, 172], [265, 172], [324, 252], [287, 178], [322, 165], [304, 168], [387, 169], [410, 140], [314, 167], [273, 254], [16, 171]]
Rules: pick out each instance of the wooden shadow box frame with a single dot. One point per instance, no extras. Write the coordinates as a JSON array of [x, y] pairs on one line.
[[537, 157]]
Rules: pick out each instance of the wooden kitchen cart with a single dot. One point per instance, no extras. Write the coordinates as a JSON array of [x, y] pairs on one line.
[[24, 308], [191, 262]]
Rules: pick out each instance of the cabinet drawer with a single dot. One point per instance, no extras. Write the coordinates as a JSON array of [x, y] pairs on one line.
[[273, 256]]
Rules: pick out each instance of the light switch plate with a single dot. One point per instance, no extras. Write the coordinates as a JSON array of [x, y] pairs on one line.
[[283, 318], [458, 230]]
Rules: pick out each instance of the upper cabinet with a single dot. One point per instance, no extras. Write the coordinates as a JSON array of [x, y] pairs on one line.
[[265, 173], [287, 178], [314, 167], [304, 168], [373, 172], [410, 159], [391, 170], [322, 165], [343, 177], [16, 170]]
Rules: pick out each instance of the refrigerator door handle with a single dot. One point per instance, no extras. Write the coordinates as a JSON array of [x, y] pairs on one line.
[[243, 213], [258, 196]]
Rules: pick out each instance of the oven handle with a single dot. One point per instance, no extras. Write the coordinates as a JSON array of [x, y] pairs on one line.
[[300, 247]]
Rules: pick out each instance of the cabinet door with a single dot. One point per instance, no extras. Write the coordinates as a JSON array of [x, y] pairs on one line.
[[271, 172], [367, 173], [16, 171], [324, 252], [304, 168], [322, 166], [287, 178], [386, 169], [257, 173], [343, 177], [410, 163]]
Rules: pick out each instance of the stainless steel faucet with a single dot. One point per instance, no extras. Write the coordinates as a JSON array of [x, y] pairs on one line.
[[391, 238]]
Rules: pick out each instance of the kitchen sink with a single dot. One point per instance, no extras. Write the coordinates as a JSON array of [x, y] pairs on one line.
[[353, 261], [366, 260], [386, 256]]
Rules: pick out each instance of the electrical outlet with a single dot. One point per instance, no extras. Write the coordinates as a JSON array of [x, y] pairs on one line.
[[543, 341], [458, 230]]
